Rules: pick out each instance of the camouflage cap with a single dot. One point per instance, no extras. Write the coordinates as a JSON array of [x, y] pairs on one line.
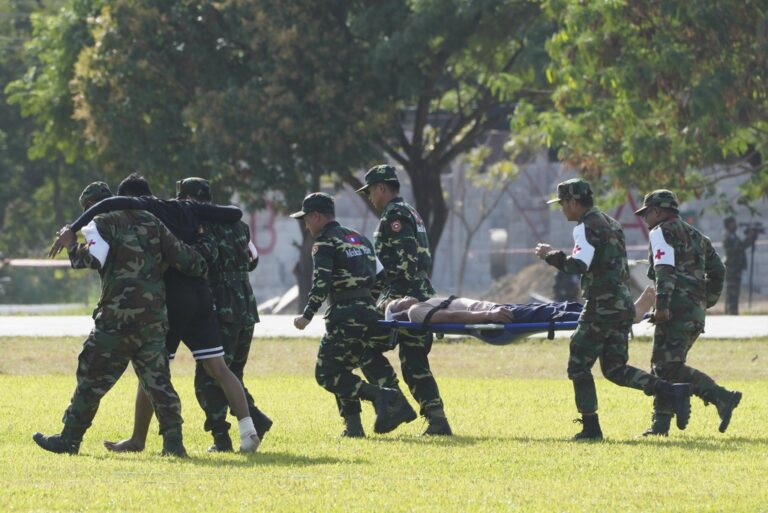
[[93, 193], [575, 188], [195, 188], [381, 173], [316, 202], [661, 198]]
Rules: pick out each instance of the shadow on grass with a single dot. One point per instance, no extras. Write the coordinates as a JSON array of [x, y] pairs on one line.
[[243, 460], [698, 444], [714, 444]]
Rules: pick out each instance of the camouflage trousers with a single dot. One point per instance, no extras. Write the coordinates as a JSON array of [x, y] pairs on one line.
[[671, 342], [353, 340], [414, 348], [105, 356], [732, 291], [236, 339], [607, 342]]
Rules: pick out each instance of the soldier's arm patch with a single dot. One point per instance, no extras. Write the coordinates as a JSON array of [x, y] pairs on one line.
[[582, 249], [396, 226], [661, 252]]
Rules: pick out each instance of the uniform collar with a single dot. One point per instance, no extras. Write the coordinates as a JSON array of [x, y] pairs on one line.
[[590, 210], [670, 218], [331, 224]]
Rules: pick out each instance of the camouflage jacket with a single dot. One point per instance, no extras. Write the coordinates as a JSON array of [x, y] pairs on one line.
[[344, 265], [138, 249], [225, 248], [402, 247], [735, 254], [599, 255], [686, 268]]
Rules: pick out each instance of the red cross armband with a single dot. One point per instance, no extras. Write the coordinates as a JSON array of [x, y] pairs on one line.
[[661, 252], [582, 249]]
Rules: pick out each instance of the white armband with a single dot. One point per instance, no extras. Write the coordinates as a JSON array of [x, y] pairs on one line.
[[582, 249], [253, 251], [97, 246], [661, 252], [379, 266]]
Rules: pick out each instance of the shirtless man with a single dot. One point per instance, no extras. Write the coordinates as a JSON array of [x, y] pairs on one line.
[[465, 310]]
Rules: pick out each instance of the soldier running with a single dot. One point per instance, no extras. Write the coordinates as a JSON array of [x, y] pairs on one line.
[[403, 249], [689, 279], [344, 273], [599, 255]]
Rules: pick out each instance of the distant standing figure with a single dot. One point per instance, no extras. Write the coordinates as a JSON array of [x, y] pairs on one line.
[[735, 263]]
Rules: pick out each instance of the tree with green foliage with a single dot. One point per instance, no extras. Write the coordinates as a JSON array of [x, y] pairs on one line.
[[654, 94], [46, 160]]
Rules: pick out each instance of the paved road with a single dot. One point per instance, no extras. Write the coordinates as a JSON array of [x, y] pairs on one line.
[[718, 326]]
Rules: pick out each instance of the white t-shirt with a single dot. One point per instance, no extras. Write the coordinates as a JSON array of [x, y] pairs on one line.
[[418, 312]]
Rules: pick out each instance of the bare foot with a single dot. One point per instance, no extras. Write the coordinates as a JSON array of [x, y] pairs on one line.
[[644, 303], [127, 445]]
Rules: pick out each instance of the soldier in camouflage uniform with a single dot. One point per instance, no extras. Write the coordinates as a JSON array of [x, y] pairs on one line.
[[735, 263], [689, 278], [344, 273], [599, 255], [132, 249], [230, 255], [403, 248]]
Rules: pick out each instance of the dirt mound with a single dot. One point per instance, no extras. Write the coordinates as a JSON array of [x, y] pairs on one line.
[[537, 278]]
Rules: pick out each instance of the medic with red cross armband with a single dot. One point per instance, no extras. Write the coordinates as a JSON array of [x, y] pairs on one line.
[[689, 276]]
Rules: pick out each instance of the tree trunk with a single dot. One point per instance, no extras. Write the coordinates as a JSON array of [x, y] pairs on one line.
[[430, 202], [303, 268]]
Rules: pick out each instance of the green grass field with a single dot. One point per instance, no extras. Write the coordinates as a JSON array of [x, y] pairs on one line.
[[511, 408]]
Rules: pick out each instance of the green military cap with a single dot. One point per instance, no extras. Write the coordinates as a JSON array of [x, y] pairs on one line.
[[381, 173], [93, 193], [661, 198], [316, 202], [195, 188], [575, 188]]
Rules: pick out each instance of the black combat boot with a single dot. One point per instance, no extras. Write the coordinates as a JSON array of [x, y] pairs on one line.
[[399, 412], [261, 422], [221, 443], [382, 403], [659, 425], [591, 429], [57, 443], [353, 426], [726, 402], [437, 424], [679, 396], [173, 445]]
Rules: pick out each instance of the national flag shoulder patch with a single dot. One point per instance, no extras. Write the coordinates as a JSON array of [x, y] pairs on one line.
[[353, 238]]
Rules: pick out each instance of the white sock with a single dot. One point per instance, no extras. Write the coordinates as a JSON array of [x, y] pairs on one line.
[[246, 427], [249, 439]]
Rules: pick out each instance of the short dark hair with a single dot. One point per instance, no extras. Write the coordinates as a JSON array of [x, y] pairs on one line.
[[134, 185], [587, 201], [392, 186]]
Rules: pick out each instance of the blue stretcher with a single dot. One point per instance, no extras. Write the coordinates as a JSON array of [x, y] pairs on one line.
[[496, 334]]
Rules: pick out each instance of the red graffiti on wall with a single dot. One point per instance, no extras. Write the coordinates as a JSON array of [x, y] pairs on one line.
[[263, 232]]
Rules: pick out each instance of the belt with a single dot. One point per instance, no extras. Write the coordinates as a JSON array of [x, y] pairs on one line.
[[345, 295], [228, 276]]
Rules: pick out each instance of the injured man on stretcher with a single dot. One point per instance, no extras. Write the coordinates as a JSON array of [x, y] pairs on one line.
[[474, 311]]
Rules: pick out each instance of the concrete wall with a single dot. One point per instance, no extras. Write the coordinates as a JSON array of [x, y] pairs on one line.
[[521, 212]]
